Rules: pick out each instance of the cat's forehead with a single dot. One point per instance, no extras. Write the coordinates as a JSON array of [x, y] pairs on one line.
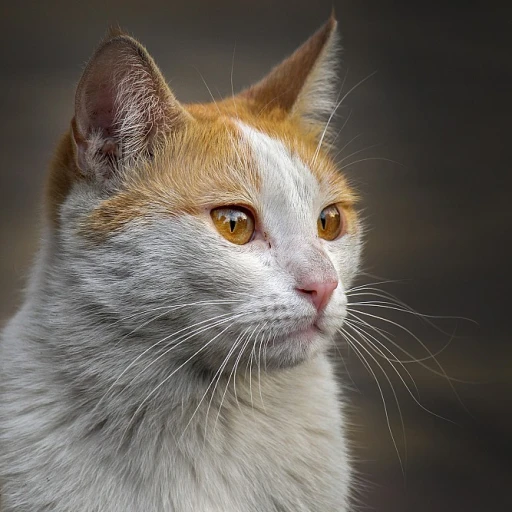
[[228, 160]]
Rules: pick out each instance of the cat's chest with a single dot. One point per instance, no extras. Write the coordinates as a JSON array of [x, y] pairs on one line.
[[256, 457], [263, 471]]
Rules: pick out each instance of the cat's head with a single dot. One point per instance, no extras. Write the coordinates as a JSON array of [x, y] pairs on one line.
[[220, 229]]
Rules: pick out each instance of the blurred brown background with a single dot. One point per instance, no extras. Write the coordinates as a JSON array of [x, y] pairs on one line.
[[439, 223]]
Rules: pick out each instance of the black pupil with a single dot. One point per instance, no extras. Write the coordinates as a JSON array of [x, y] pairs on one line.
[[232, 224], [323, 219]]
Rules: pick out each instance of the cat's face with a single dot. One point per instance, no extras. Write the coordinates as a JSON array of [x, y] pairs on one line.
[[231, 238]]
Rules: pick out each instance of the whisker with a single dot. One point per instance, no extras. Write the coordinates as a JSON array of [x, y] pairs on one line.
[[274, 336], [156, 388], [443, 372], [169, 309], [340, 130], [365, 335], [357, 152], [346, 145], [242, 349], [219, 371], [367, 365], [317, 151], [373, 158], [252, 360], [391, 302], [259, 365], [216, 378], [413, 359], [416, 400], [347, 371], [186, 338], [150, 348], [375, 283], [225, 392]]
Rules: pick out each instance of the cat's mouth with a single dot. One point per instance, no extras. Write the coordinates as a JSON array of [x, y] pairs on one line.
[[308, 333], [320, 328]]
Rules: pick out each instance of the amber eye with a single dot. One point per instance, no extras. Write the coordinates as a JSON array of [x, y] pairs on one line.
[[235, 224], [330, 223]]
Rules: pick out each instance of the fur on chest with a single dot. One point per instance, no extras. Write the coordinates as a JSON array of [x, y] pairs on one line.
[[276, 445]]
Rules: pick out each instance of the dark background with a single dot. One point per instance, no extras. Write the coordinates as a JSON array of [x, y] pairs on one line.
[[439, 222]]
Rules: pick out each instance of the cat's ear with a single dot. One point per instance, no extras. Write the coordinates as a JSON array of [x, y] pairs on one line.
[[304, 84], [122, 108]]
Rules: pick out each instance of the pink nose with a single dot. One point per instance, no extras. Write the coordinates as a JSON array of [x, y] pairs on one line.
[[320, 292]]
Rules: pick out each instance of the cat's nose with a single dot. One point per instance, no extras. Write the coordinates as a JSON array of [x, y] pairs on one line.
[[320, 292]]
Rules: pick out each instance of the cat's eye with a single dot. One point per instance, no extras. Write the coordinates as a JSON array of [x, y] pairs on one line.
[[235, 223], [330, 223]]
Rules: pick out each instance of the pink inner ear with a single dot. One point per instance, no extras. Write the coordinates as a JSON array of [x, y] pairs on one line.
[[100, 103]]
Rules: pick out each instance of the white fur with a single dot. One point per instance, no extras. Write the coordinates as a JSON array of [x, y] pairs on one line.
[[93, 419]]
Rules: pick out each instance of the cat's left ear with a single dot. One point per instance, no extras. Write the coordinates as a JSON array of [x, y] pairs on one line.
[[123, 108], [303, 85]]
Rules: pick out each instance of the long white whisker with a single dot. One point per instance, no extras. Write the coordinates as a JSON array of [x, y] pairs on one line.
[[340, 162], [368, 337], [185, 329], [384, 334], [340, 130], [345, 333], [346, 145], [225, 390], [375, 283], [426, 409], [219, 371], [186, 338], [242, 350], [315, 156], [169, 309], [443, 372], [373, 158], [156, 388], [216, 378], [259, 363], [391, 302], [336, 106]]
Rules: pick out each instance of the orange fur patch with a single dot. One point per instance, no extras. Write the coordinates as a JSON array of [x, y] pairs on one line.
[[208, 165], [205, 161], [203, 165], [63, 173]]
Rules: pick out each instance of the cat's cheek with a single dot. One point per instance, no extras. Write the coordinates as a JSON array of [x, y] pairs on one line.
[[345, 256]]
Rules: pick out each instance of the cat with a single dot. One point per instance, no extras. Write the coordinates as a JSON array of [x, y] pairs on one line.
[[171, 353]]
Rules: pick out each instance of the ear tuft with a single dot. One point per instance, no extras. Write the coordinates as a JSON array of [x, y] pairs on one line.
[[115, 30], [304, 84], [122, 106]]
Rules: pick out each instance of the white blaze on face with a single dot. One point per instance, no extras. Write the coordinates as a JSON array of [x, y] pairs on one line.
[[291, 201], [289, 191]]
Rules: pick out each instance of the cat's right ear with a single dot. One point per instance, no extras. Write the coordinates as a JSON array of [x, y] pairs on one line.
[[123, 108]]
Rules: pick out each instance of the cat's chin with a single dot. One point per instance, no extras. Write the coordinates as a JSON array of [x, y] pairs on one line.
[[296, 347], [309, 334]]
